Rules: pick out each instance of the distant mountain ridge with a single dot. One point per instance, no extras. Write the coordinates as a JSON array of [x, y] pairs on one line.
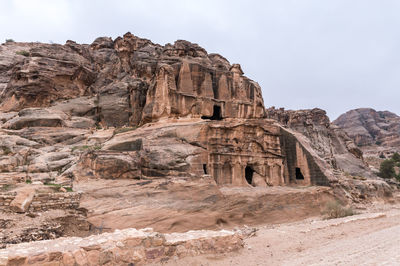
[[373, 131]]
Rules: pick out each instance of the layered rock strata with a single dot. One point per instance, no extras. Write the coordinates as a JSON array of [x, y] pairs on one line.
[[164, 136], [377, 133], [333, 151], [122, 248], [129, 81]]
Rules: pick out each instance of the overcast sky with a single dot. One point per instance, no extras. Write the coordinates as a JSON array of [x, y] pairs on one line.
[[333, 54]]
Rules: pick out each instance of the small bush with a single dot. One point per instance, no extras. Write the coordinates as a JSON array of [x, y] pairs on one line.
[[58, 186], [7, 187], [335, 209], [396, 157], [9, 40], [53, 185], [24, 53], [28, 181], [6, 150], [386, 170]]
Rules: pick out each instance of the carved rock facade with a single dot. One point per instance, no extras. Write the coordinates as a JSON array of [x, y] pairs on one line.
[[132, 80]]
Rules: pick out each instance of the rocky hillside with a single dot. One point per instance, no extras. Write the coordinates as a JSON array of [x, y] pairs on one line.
[[336, 151], [126, 81], [375, 132], [127, 133]]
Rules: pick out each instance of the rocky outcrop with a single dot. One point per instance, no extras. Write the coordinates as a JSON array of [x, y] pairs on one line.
[[164, 136], [327, 140], [233, 152], [131, 80], [123, 248], [376, 132], [333, 151]]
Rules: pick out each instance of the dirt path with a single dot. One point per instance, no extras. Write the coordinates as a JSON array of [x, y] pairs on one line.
[[371, 238]]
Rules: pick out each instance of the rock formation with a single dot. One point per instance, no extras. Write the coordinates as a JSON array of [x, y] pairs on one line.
[[131, 81], [127, 133], [375, 132], [333, 150]]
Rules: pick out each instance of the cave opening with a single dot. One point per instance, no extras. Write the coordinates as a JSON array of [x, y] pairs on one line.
[[217, 114], [205, 169], [299, 175], [248, 173]]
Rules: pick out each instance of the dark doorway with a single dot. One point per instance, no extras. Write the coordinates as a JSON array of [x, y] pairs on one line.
[[205, 169], [217, 114], [248, 172], [299, 175]]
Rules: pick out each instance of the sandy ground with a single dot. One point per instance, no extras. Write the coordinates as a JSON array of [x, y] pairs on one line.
[[370, 238]]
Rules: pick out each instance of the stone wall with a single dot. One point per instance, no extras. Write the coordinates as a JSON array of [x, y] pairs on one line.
[[5, 200], [47, 201], [44, 201], [125, 247]]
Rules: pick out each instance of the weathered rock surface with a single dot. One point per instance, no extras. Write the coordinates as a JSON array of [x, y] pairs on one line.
[[132, 80], [334, 151], [122, 248], [375, 132], [327, 140], [22, 200], [164, 136]]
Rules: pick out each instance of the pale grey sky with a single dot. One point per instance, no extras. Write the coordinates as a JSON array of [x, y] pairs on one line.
[[332, 54]]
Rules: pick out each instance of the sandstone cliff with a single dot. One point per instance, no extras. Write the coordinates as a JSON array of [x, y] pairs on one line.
[[126, 81], [164, 136], [333, 149], [375, 132]]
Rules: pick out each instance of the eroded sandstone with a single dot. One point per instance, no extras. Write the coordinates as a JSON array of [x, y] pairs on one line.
[[126, 133]]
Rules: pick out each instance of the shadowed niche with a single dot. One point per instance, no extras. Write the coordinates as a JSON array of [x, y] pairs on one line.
[[299, 175], [249, 174], [216, 114]]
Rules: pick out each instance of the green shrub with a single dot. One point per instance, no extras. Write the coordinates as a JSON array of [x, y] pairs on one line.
[[6, 187], [386, 170], [396, 157], [58, 186], [28, 181], [22, 52], [9, 40], [335, 209], [6, 150]]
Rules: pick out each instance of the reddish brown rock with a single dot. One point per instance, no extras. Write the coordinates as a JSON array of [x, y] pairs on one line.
[[168, 136], [23, 200], [134, 81]]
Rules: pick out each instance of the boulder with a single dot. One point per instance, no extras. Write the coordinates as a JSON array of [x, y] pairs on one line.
[[36, 117], [22, 200]]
